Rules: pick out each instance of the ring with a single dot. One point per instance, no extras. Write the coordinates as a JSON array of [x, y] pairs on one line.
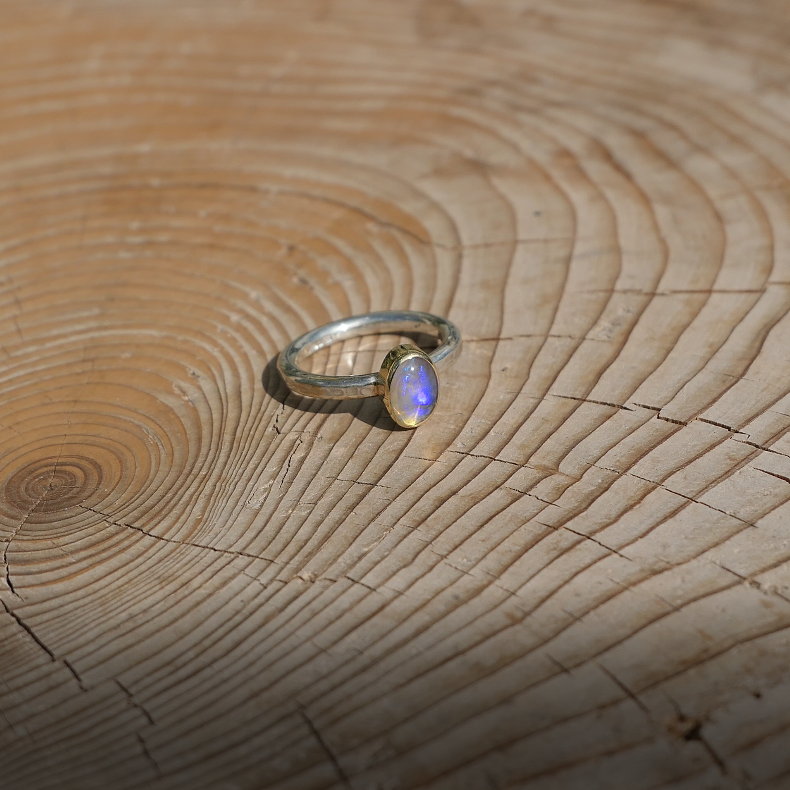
[[407, 380]]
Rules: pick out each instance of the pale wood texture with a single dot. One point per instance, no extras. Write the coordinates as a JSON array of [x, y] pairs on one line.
[[576, 575]]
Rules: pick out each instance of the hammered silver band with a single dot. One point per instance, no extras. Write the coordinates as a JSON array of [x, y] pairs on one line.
[[366, 385]]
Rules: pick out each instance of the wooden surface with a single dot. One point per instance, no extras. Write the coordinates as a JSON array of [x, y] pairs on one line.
[[575, 575]]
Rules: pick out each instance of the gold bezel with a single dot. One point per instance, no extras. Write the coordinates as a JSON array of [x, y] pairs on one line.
[[391, 363]]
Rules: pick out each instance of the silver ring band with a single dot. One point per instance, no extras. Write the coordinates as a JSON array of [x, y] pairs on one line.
[[315, 385]]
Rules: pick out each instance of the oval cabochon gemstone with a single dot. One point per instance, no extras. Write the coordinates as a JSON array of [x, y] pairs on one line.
[[413, 391]]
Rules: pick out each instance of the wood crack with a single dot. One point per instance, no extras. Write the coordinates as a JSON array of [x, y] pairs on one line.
[[690, 729], [627, 691], [147, 753], [15, 533], [174, 541], [52, 657], [296, 446], [482, 457], [590, 400], [331, 756], [677, 493], [134, 703], [783, 478], [720, 425]]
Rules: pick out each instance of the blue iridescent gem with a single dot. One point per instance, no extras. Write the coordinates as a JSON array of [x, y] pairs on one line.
[[413, 391]]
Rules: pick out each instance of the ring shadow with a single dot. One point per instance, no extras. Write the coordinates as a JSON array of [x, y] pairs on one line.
[[369, 410]]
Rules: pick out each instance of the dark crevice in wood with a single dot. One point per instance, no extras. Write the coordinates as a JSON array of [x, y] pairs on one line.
[[331, 756], [296, 446], [174, 541], [28, 630], [34, 636], [720, 425], [74, 673], [596, 541], [783, 478], [149, 756], [134, 703], [690, 729], [590, 400], [482, 457], [669, 419], [628, 692]]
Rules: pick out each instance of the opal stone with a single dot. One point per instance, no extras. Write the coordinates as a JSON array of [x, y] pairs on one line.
[[413, 391]]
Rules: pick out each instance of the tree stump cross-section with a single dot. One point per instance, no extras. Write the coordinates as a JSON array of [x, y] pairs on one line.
[[575, 575]]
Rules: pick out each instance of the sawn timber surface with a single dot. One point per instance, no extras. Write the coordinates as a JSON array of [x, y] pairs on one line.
[[575, 575]]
